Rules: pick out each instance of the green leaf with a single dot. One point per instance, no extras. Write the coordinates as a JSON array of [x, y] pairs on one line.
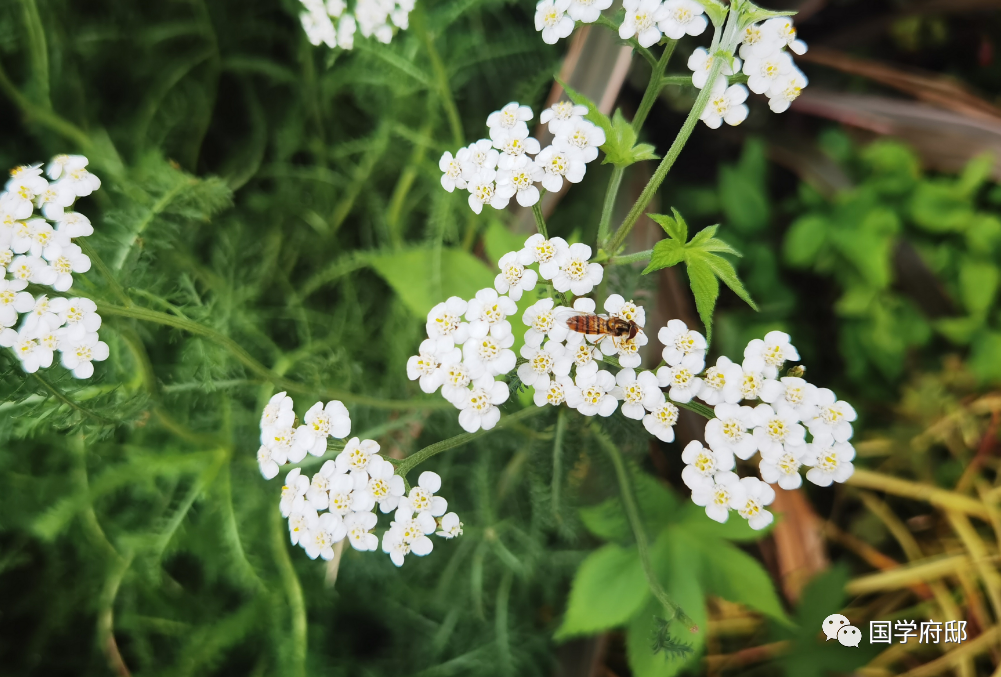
[[607, 590], [703, 236], [674, 226], [975, 174], [620, 144], [804, 240], [959, 330], [410, 274], [725, 272], [753, 14], [978, 284], [607, 520], [742, 191], [643, 151], [666, 253], [984, 234], [730, 573], [498, 240], [736, 530], [939, 207], [706, 289], [715, 10], [985, 358]]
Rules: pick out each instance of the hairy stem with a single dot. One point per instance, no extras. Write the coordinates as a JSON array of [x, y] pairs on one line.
[[605, 225], [64, 398], [700, 409], [296, 665], [441, 79], [674, 611], [557, 485], [540, 222], [654, 86], [631, 258], [665, 165], [415, 459]]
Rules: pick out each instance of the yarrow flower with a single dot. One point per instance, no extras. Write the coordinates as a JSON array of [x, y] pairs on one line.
[[331, 24]]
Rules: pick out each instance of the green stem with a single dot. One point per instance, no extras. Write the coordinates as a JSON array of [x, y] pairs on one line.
[[700, 409], [674, 611], [654, 86], [665, 165], [630, 258], [557, 485], [154, 211], [293, 590], [540, 221], [605, 225], [253, 365], [415, 459], [38, 50], [441, 79], [104, 271], [44, 116], [680, 80], [633, 42], [62, 397]]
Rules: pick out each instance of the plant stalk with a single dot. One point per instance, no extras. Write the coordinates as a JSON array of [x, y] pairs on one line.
[[540, 221], [654, 86], [605, 225]]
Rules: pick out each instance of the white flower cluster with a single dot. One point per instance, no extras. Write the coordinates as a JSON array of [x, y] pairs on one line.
[[338, 502], [646, 20], [789, 407], [496, 169], [331, 23], [769, 68], [33, 250]]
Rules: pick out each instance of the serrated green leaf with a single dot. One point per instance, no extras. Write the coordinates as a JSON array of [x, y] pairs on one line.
[[716, 11], [644, 151], [705, 286], [608, 588], [707, 233], [717, 245], [724, 270], [666, 253], [674, 226], [751, 13], [620, 144]]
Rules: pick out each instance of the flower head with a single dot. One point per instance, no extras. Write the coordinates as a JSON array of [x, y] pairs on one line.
[[722, 494], [833, 422], [681, 342], [831, 463], [729, 431], [721, 383], [514, 279], [770, 354], [552, 21], [561, 113], [575, 273], [478, 409], [641, 21], [596, 395], [547, 253], [682, 379], [726, 104], [757, 495], [682, 17], [661, 420], [639, 393], [451, 527]]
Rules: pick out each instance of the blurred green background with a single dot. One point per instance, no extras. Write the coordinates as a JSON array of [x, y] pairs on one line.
[[274, 209]]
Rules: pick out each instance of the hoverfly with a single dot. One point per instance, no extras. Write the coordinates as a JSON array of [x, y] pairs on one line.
[[599, 325]]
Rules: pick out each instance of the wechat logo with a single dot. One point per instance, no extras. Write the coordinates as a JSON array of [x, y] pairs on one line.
[[840, 628]]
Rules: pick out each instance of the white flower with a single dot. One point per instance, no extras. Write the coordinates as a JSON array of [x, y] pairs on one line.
[[478, 409], [728, 431], [63, 164], [783, 467], [792, 393], [318, 494], [831, 463], [546, 253], [681, 342], [751, 380], [385, 486], [626, 348], [782, 30], [786, 90], [518, 180], [757, 495], [65, 261], [763, 72], [53, 201], [34, 237], [638, 393], [425, 365], [268, 461], [293, 492], [22, 189], [562, 112], [514, 280], [551, 19], [616, 306], [587, 11], [479, 155], [576, 274], [359, 526], [833, 422], [319, 28], [774, 430], [514, 145], [722, 383], [541, 321], [682, 379], [345, 491], [679, 17], [278, 412], [73, 224], [452, 168], [755, 42], [596, 394], [555, 391], [641, 20], [41, 318], [724, 493], [582, 135], [346, 28], [483, 191], [280, 441], [357, 455], [408, 535], [661, 420], [13, 301], [80, 317], [725, 104], [422, 499], [299, 522], [550, 359], [700, 63], [450, 526], [27, 349], [80, 355], [32, 269], [490, 355], [49, 341], [373, 19], [557, 165], [456, 377], [701, 464], [512, 118], [320, 540], [445, 325], [321, 422], [771, 353]]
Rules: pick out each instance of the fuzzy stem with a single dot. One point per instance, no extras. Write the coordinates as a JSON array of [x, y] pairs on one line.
[[64, 398], [700, 409], [675, 612], [293, 590], [665, 165], [415, 459], [608, 207], [561, 428], [631, 258], [540, 221], [654, 86]]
